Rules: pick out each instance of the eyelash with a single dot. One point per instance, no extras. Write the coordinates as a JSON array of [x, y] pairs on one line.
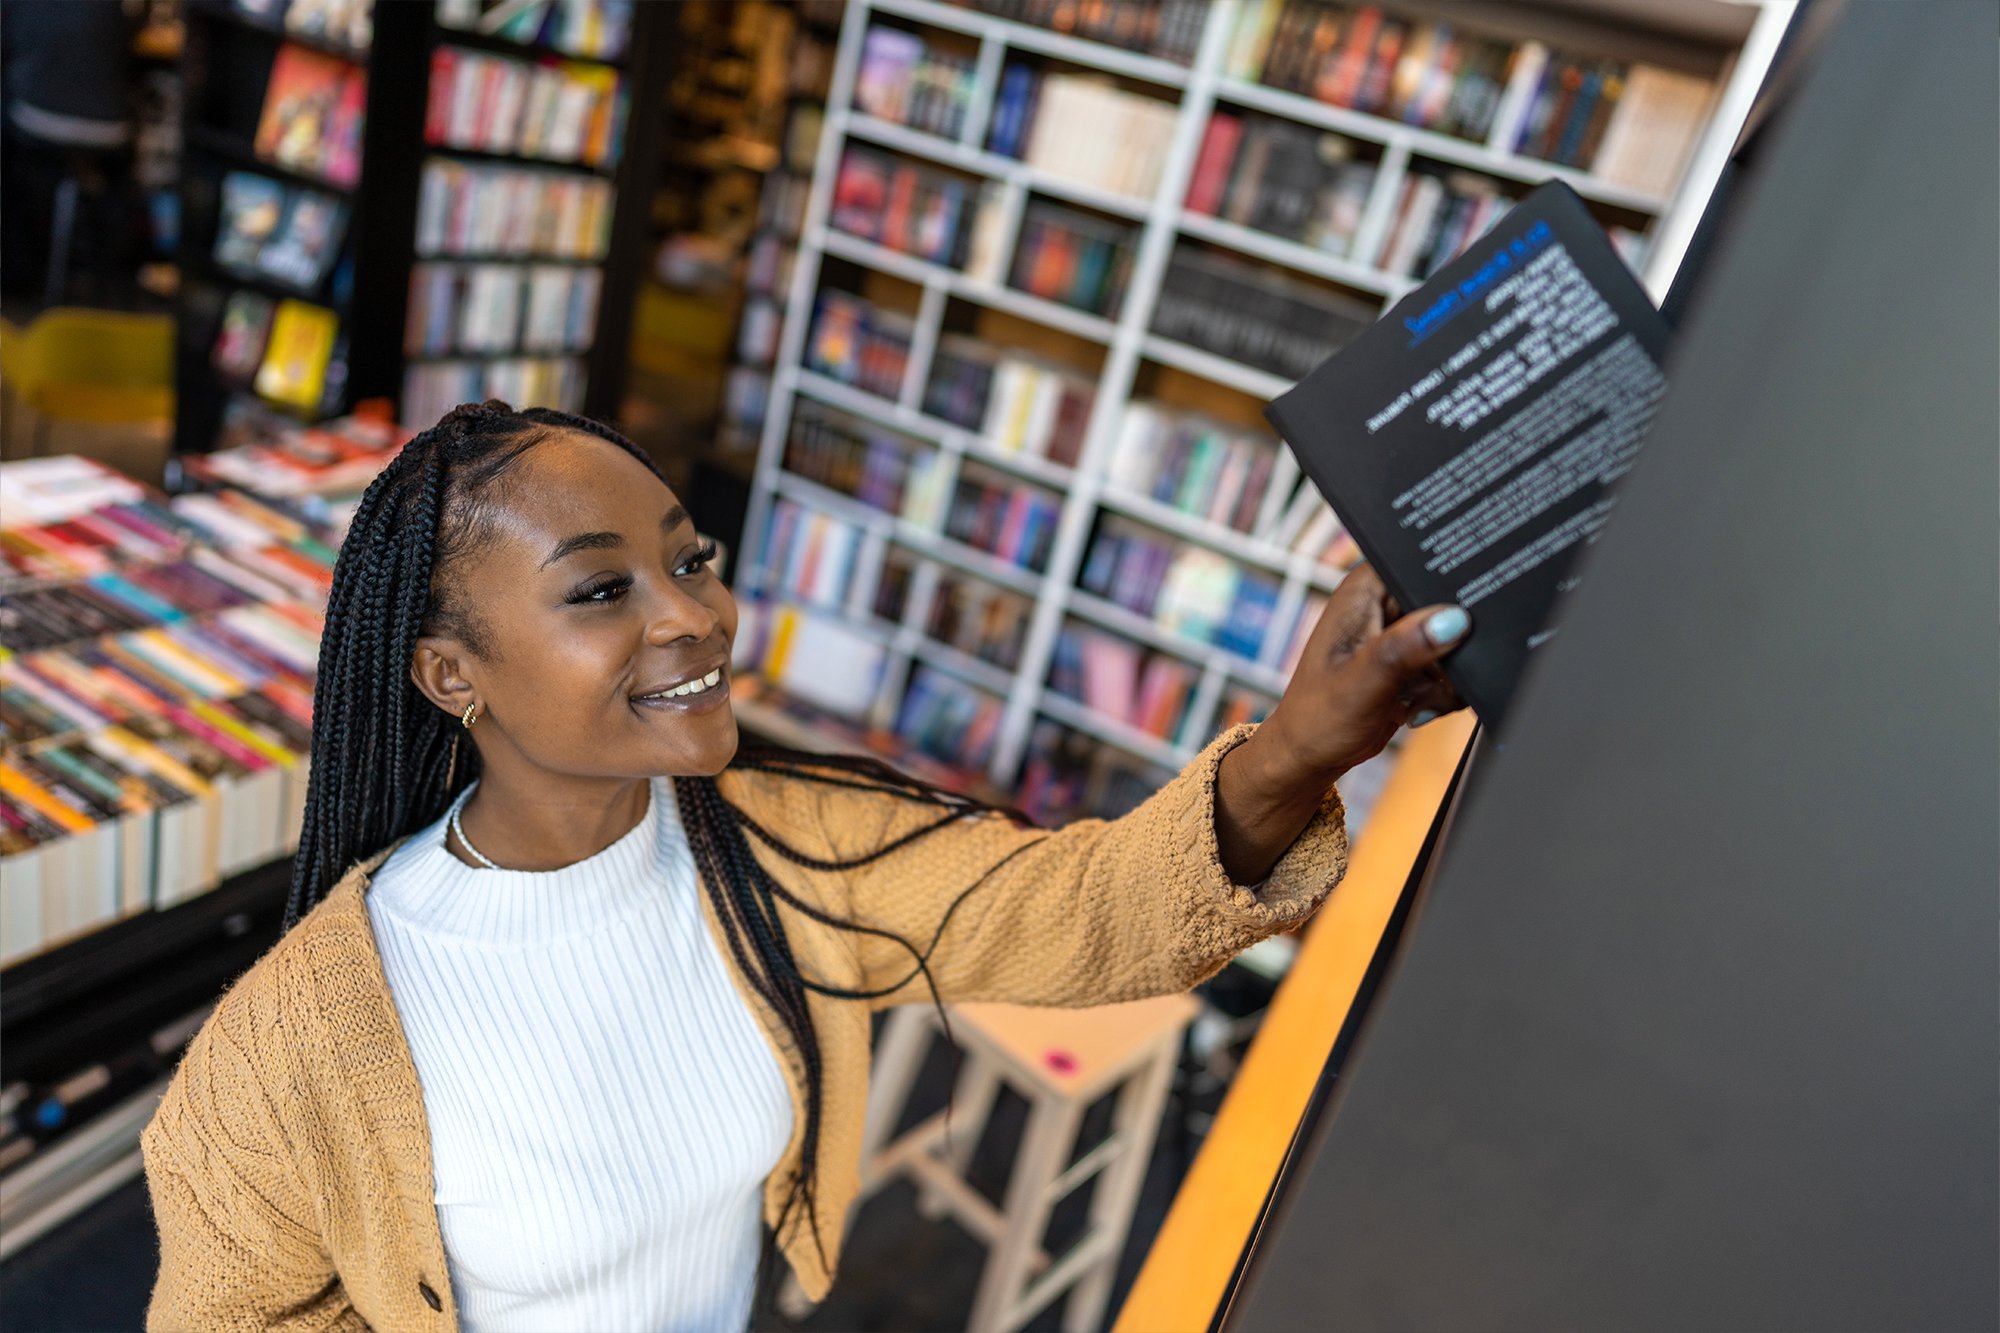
[[611, 589]]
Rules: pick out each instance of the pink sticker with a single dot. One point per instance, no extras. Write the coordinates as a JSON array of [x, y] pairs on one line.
[[1060, 1061]]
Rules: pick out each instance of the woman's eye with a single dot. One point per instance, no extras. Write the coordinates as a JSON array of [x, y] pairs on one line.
[[695, 563], [610, 590]]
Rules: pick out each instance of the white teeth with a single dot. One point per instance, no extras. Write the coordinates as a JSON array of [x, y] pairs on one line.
[[695, 686]]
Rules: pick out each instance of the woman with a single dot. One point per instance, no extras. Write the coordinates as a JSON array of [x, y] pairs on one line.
[[574, 994]]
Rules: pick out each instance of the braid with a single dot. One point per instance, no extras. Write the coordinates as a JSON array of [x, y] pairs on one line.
[[382, 752]]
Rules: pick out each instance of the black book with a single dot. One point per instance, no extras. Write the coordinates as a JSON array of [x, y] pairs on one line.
[[1470, 439]]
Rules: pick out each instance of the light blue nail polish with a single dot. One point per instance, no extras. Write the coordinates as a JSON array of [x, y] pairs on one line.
[[1447, 626], [1418, 719]]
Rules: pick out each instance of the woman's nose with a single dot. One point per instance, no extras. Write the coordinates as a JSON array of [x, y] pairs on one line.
[[681, 616]]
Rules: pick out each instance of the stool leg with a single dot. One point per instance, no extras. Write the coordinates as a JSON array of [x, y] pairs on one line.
[[1053, 1122], [906, 1037], [1136, 1120], [971, 1105]]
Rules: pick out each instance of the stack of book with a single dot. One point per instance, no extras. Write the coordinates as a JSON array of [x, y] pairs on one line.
[[289, 235], [1254, 315], [915, 209], [551, 110], [317, 472], [1018, 405], [1193, 465], [1148, 691], [1283, 178], [1009, 519], [1169, 29], [1035, 119], [1188, 590], [495, 309], [155, 702], [1078, 259], [858, 342], [904, 79], [599, 29], [511, 212], [312, 116]]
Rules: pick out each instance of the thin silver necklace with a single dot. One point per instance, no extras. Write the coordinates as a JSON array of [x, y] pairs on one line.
[[464, 841]]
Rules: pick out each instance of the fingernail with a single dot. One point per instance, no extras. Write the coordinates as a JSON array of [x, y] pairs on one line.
[[1447, 626], [1418, 719]]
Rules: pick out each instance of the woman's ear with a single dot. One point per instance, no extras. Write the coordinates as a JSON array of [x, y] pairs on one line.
[[437, 669]]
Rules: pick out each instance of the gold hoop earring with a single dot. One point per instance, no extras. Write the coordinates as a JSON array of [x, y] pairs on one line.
[[470, 715]]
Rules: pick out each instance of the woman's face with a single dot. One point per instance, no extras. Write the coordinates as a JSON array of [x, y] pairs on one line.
[[594, 603]]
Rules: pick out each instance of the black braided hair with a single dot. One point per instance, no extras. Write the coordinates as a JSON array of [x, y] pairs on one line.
[[382, 753]]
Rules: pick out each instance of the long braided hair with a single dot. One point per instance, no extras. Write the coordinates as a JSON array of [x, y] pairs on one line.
[[382, 753]]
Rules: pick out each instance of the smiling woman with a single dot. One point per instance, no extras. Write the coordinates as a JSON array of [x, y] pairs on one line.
[[574, 991]]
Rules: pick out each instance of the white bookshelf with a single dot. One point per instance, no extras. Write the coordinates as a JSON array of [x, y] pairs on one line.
[[1127, 342]]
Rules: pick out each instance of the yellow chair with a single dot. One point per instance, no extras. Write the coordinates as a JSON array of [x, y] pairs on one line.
[[96, 367]]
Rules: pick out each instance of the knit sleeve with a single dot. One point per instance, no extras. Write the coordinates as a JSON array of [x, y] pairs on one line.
[[1091, 913], [238, 1246]]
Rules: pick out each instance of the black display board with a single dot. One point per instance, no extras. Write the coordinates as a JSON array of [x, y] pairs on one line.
[[1695, 1024]]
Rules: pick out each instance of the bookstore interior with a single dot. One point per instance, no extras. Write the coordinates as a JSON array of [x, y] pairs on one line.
[[957, 326]]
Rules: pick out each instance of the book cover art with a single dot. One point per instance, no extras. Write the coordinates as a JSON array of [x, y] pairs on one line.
[[295, 358], [246, 323], [311, 121], [302, 248], [252, 208]]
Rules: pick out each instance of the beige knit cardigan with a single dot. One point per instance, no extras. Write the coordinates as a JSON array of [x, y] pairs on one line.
[[289, 1161]]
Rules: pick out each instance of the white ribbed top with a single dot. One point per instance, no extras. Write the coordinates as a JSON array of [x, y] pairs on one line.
[[603, 1106]]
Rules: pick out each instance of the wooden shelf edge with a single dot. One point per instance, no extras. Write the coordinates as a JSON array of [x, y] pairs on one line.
[[1188, 1269]]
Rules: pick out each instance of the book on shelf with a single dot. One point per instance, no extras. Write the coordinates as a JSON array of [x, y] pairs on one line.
[[1074, 258], [1168, 29], [1282, 178], [269, 230], [431, 389], [240, 340], [343, 23], [812, 656], [914, 209], [297, 354], [312, 115], [1036, 119], [500, 309], [493, 211], [857, 342], [1186, 589], [948, 718], [1066, 773], [1146, 690], [1252, 314], [1192, 465], [1011, 520], [547, 109], [1628, 123], [979, 619], [1472, 439], [903, 79], [599, 29]]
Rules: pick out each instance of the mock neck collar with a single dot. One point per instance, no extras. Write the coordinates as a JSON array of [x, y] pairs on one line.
[[424, 886]]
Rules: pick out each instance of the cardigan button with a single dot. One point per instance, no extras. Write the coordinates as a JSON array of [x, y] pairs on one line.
[[430, 1297]]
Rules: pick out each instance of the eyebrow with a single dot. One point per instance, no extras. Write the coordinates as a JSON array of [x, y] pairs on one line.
[[598, 541]]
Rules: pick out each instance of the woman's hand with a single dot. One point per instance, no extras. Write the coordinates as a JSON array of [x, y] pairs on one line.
[[1365, 671]]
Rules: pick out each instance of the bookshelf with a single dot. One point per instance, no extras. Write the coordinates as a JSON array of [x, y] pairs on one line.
[[355, 296], [976, 286]]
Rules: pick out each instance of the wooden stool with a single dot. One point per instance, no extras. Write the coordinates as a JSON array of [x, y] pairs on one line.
[[1061, 1060]]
